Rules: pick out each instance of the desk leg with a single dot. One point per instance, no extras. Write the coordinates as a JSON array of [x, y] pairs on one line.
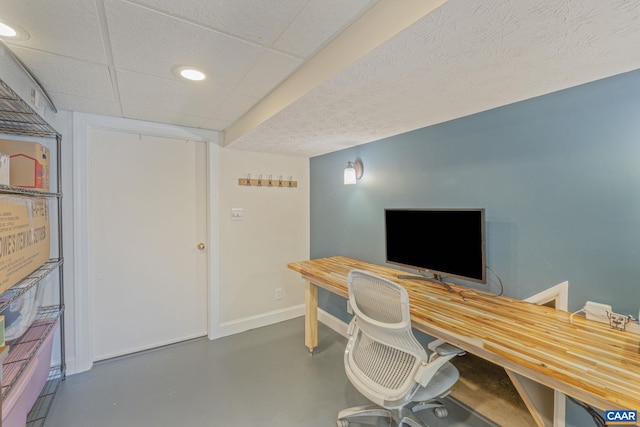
[[311, 317]]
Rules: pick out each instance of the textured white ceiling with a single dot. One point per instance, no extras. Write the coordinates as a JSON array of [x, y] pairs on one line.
[[465, 57], [117, 57]]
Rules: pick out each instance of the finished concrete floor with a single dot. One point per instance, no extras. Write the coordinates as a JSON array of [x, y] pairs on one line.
[[262, 377]]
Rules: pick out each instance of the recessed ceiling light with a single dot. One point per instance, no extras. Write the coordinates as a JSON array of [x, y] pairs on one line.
[[13, 32], [191, 73]]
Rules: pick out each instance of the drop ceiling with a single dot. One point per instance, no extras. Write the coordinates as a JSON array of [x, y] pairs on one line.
[[295, 77]]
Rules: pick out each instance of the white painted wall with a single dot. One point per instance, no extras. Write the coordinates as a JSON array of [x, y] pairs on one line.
[[255, 251], [248, 260]]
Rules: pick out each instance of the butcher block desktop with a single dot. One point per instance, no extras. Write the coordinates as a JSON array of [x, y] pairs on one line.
[[581, 358]]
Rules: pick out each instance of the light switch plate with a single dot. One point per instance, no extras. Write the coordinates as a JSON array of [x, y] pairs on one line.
[[237, 214]]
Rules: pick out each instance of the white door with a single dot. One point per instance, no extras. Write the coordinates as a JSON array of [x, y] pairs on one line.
[[148, 216]]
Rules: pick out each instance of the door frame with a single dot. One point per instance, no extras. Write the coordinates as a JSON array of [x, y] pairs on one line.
[[81, 355]]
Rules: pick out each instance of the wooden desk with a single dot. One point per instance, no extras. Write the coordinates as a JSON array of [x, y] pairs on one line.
[[586, 360]]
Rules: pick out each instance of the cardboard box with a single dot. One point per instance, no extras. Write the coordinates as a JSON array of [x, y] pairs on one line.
[[29, 166], [24, 237]]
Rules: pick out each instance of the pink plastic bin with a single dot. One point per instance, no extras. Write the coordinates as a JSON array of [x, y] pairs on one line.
[[25, 392]]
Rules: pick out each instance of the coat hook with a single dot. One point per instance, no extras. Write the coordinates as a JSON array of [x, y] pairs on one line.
[[280, 181], [290, 179], [270, 181], [260, 180], [249, 179]]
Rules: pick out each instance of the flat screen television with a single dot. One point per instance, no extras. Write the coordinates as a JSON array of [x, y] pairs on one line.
[[443, 242]]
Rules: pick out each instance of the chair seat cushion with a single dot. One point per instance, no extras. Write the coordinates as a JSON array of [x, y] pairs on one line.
[[440, 384]]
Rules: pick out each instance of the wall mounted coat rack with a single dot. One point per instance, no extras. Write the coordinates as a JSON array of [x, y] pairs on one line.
[[269, 181]]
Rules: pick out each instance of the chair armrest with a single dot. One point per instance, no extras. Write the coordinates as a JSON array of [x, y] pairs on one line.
[[351, 327], [447, 349], [442, 348], [427, 371]]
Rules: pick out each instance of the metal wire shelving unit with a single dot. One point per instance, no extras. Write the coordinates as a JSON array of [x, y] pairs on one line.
[[26, 347], [18, 118]]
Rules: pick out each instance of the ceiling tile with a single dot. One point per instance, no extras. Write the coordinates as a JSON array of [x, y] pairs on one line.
[[71, 29], [258, 21], [188, 98], [85, 105], [66, 75], [155, 44], [319, 22]]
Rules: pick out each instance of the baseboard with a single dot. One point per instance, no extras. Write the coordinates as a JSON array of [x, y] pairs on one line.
[[71, 366], [252, 322], [332, 322], [265, 319]]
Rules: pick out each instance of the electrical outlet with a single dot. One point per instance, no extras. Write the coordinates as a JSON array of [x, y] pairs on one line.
[[278, 295], [597, 311]]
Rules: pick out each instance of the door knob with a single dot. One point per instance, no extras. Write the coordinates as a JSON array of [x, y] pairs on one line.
[[201, 246]]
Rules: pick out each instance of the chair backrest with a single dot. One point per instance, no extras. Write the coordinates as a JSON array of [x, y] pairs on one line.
[[383, 355]]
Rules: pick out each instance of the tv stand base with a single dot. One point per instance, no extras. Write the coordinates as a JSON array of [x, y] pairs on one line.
[[428, 279]]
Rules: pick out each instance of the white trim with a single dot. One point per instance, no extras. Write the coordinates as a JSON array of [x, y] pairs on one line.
[[252, 322], [213, 227], [82, 358], [558, 293], [333, 322], [146, 128]]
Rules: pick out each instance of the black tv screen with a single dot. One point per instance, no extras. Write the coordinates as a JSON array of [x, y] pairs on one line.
[[444, 242]]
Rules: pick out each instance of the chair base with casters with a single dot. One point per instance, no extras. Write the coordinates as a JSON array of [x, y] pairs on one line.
[[423, 399], [398, 417]]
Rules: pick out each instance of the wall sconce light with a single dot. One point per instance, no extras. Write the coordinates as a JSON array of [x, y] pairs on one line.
[[352, 172]]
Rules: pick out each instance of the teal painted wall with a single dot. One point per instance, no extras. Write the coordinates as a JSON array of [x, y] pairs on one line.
[[558, 176]]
